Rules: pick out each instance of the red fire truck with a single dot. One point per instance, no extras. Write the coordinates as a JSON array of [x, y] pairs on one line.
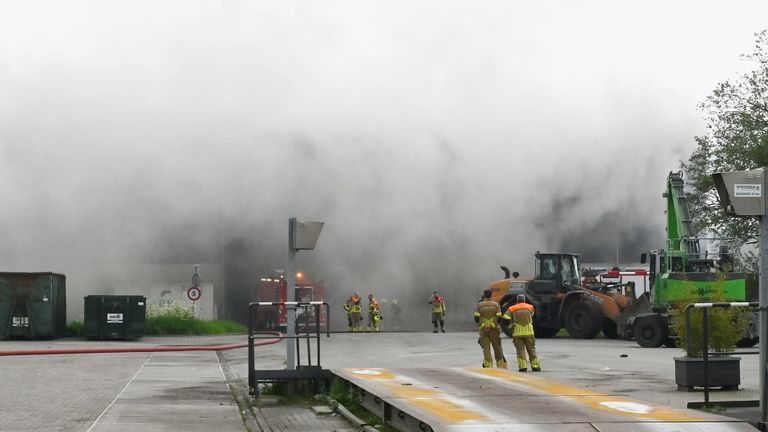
[[275, 289], [638, 276]]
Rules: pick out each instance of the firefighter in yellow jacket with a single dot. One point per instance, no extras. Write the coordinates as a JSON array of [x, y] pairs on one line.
[[487, 316], [348, 308], [374, 314], [520, 315], [355, 312], [438, 311]]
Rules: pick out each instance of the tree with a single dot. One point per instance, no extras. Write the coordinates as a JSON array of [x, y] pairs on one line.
[[736, 115]]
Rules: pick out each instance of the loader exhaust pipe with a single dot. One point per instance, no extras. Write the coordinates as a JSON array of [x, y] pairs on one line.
[[505, 269]]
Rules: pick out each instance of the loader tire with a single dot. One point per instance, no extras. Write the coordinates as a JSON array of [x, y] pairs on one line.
[[546, 332], [609, 329], [507, 329], [583, 320], [506, 302], [649, 333]]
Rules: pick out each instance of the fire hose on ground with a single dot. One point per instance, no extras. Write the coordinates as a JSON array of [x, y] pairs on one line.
[[108, 350]]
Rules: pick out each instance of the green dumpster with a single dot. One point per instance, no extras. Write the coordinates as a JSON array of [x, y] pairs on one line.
[[115, 316], [32, 305]]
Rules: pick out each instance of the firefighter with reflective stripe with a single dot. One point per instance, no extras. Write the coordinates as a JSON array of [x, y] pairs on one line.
[[396, 311], [355, 311], [487, 316], [520, 315], [438, 311], [374, 315], [348, 307]]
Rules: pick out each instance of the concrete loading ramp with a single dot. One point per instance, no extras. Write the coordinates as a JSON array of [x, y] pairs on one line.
[[497, 400]]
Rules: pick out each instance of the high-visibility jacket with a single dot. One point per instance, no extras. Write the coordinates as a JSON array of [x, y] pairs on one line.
[[438, 304], [487, 313], [356, 308], [373, 305], [521, 315]]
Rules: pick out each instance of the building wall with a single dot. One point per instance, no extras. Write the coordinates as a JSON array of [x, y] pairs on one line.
[[164, 294]]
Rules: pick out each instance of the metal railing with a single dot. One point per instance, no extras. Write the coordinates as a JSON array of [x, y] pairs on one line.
[[307, 371], [705, 349]]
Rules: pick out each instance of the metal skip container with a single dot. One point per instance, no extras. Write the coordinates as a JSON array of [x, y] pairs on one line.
[[32, 305], [115, 316]]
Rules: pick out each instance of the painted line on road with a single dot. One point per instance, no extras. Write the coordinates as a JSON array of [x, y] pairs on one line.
[[618, 405], [119, 394], [446, 407]]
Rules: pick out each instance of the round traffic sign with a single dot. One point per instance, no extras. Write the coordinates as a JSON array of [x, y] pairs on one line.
[[194, 293]]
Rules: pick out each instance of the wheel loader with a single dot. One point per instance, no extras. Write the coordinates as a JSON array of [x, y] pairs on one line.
[[561, 301]]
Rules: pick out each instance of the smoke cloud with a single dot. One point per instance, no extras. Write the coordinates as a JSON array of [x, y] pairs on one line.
[[436, 141]]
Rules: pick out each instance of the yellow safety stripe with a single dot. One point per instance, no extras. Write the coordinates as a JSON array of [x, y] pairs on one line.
[[593, 399], [487, 323], [523, 330]]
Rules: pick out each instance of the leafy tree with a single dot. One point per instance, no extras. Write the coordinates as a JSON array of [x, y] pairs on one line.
[[736, 114]]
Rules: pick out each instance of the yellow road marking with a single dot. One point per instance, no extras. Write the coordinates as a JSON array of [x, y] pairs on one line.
[[598, 401], [432, 400]]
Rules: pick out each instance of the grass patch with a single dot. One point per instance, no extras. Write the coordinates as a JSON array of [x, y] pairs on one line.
[[76, 329], [714, 409], [294, 393], [176, 319], [340, 393]]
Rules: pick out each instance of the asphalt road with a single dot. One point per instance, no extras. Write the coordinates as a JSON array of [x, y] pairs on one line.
[[71, 392], [622, 367]]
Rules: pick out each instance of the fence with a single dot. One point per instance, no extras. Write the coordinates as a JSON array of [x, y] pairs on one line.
[[314, 373], [705, 351]]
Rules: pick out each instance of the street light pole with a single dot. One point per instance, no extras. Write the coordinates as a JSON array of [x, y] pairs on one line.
[[742, 193], [763, 319], [290, 282], [301, 236]]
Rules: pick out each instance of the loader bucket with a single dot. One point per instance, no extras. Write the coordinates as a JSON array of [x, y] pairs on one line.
[[641, 305]]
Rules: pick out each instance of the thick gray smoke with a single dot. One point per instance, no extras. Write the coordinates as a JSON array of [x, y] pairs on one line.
[[435, 141]]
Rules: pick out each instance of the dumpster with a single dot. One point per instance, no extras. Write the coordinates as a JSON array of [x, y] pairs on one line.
[[32, 305], [115, 316]]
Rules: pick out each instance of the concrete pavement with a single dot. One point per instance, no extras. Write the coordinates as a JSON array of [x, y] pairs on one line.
[[196, 390], [147, 392], [180, 391]]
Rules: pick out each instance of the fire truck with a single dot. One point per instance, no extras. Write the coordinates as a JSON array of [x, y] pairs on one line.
[[638, 276], [275, 289]]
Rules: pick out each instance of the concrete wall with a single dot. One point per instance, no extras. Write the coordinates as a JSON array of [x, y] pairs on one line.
[[160, 295], [161, 284]]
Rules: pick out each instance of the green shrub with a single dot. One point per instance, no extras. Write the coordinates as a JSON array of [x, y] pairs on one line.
[[339, 391], [75, 328], [726, 325], [221, 327], [175, 319]]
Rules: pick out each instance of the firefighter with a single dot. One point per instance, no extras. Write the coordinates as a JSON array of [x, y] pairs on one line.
[[487, 317], [356, 311], [438, 311], [520, 315], [396, 311], [348, 307], [374, 315]]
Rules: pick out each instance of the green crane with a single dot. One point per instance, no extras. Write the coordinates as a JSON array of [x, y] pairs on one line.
[[682, 272]]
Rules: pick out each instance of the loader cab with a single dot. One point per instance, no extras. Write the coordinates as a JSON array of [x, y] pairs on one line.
[[554, 272]]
